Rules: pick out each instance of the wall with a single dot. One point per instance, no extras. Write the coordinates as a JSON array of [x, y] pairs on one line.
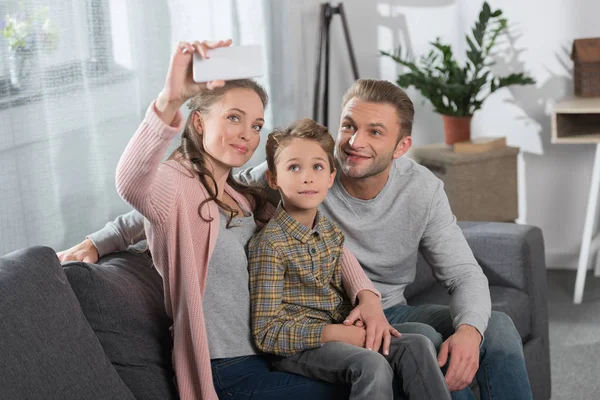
[[554, 179]]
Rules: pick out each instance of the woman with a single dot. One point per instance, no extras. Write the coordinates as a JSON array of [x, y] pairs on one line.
[[198, 221]]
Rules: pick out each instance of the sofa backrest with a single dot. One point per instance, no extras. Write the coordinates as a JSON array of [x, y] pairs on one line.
[[122, 299], [48, 349]]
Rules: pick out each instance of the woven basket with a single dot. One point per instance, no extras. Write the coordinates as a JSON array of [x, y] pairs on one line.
[[479, 186]]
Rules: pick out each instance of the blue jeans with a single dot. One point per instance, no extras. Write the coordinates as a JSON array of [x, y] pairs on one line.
[[502, 373], [250, 377]]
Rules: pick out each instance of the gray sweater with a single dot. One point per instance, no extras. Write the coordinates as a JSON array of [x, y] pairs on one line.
[[409, 215]]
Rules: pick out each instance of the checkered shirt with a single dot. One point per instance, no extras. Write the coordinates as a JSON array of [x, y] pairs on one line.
[[295, 283]]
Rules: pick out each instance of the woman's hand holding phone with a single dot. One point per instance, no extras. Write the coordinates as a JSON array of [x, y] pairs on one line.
[[179, 84]]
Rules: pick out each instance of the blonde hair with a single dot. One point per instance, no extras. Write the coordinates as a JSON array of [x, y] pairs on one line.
[[305, 128], [380, 91]]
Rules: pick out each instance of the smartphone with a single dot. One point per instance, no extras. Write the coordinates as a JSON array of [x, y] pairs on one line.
[[227, 63]]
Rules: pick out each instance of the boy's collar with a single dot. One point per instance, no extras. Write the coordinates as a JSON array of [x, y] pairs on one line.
[[296, 229]]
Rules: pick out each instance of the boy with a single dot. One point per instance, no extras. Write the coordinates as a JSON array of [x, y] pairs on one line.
[[296, 284]]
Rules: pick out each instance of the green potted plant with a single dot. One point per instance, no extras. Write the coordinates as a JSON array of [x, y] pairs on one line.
[[457, 91]]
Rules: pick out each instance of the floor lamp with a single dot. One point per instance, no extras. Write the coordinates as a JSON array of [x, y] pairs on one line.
[[328, 11]]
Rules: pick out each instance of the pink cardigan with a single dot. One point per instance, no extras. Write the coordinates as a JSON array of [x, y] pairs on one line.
[[168, 195]]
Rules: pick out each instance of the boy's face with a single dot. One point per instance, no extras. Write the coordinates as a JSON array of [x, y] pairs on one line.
[[303, 174]]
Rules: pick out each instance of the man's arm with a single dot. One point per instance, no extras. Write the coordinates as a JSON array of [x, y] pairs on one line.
[[444, 246], [125, 230], [256, 176], [117, 235], [446, 249]]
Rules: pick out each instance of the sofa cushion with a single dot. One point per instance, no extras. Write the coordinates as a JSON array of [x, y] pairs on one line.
[[122, 298], [48, 350], [513, 302]]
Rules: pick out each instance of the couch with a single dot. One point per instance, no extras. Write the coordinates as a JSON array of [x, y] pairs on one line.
[[99, 331]]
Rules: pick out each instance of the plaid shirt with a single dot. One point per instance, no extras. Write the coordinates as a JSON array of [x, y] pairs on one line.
[[295, 283]]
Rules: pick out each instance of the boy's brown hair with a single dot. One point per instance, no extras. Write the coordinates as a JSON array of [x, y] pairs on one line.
[[305, 128]]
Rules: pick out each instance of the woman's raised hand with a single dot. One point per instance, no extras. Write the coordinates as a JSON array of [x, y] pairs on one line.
[[179, 84]]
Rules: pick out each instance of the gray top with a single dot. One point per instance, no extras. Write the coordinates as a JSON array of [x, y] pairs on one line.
[[409, 215], [227, 296]]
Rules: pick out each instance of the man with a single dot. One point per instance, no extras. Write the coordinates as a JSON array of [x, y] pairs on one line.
[[389, 209]]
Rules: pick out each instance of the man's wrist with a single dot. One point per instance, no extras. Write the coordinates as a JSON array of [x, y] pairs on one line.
[[91, 246], [470, 329]]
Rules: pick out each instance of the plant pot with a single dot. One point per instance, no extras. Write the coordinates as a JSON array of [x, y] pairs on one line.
[[456, 129]]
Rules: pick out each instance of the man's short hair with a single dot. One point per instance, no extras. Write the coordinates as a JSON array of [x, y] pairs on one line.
[[380, 91]]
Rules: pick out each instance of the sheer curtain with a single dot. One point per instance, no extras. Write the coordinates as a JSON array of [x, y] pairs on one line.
[[74, 93]]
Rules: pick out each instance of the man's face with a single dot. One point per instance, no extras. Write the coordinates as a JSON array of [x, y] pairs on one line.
[[367, 141]]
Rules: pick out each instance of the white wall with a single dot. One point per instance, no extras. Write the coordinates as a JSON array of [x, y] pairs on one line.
[[554, 179]]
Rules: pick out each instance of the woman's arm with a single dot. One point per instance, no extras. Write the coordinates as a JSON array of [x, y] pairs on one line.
[[369, 310], [138, 179], [354, 278]]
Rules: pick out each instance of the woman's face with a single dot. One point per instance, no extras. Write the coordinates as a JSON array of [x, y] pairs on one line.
[[231, 129]]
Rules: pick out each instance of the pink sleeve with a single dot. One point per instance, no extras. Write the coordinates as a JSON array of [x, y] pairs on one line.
[[139, 179], [354, 278]]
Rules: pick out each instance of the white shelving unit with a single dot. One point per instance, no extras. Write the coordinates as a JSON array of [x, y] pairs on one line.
[[577, 120]]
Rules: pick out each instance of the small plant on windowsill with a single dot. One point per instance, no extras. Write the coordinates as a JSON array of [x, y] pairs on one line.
[[457, 92], [26, 33]]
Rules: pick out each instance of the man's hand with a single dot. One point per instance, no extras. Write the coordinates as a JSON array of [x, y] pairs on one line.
[[343, 333], [378, 329], [84, 251], [463, 349]]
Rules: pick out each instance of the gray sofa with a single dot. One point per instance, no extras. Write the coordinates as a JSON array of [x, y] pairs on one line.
[[99, 331]]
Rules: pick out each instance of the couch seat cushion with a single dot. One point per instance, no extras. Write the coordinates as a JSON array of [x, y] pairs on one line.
[[122, 298], [48, 350], [515, 303]]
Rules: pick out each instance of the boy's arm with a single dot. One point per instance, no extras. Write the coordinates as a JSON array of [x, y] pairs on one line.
[[274, 330]]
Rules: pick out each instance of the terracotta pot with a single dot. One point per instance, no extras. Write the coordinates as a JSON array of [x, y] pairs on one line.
[[456, 129]]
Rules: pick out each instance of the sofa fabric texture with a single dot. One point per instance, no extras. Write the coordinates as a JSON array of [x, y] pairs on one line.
[[122, 299], [48, 349]]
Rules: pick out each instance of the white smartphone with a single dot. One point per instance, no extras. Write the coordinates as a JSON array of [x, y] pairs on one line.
[[227, 63]]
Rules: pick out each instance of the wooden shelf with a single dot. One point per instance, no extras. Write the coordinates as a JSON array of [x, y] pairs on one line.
[[576, 120]]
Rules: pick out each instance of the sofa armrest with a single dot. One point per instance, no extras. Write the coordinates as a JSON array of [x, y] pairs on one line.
[[513, 255]]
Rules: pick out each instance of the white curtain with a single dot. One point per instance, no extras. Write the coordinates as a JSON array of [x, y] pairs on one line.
[[74, 102]]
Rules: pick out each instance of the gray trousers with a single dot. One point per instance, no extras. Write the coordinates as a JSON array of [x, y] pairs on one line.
[[412, 360]]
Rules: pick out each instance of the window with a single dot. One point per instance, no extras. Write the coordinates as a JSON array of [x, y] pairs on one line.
[[74, 45]]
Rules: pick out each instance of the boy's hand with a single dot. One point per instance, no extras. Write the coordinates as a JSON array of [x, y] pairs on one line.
[[369, 311], [344, 333]]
